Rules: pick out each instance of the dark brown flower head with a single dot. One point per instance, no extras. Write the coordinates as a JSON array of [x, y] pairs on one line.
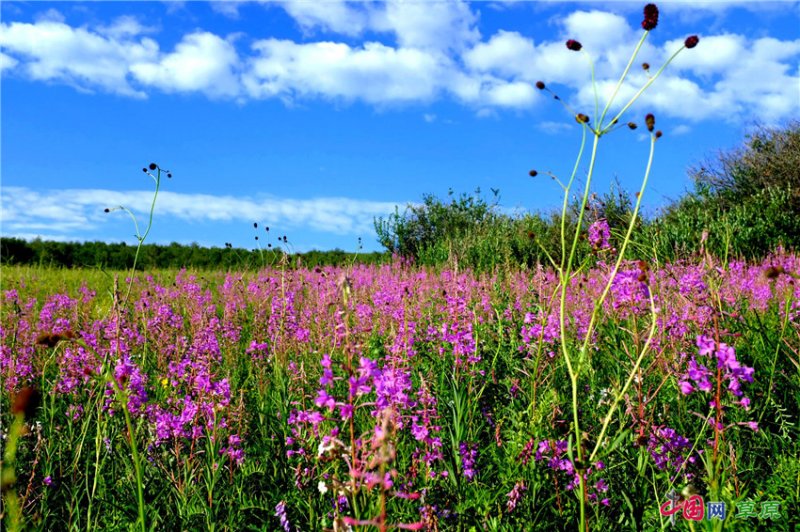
[[646, 66], [773, 272], [169, 174], [691, 41], [533, 173], [26, 402], [153, 166], [632, 125], [582, 118], [574, 45], [106, 210], [531, 235], [650, 121], [650, 17], [144, 170], [540, 85], [659, 134], [52, 339]]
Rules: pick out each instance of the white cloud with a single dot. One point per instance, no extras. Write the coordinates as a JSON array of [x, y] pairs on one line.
[[449, 25], [438, 53], [553, 128], [334, 16], [124, 26], [201, 62], [54, 51], [7, 62], [78, 211], [445, 25], [374, 73]]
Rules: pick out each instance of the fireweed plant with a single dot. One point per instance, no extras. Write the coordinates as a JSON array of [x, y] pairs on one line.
[[576, 354]]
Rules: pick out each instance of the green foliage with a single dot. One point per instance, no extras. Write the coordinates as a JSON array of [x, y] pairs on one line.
[[745, 204]]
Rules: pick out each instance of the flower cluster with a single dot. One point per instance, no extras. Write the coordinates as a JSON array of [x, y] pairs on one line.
[[670, 450], [599, 234], [469, 455], [555, 452], [698, 377]]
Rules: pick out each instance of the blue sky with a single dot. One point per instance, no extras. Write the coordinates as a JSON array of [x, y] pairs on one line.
[[312, 118]]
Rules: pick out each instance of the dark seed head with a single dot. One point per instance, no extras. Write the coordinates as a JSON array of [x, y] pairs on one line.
[[650, 121], [582, 118], [650, 17], [659, 134], [574, 45], [144, 170], [533, 173], [106, 210], [632, 125], [169, 175], [646, 66], [691, 41], [540, 85], [255, 225], [153, 166]]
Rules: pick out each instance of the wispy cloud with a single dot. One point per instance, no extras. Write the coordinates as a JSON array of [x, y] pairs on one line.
[[79, 212]]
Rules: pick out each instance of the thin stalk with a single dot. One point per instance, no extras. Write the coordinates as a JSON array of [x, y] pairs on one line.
[[621, 81], [618, 263], [644, 87]]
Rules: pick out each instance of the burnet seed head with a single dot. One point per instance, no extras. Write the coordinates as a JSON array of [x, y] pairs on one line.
[[574, 45], [650, 17]]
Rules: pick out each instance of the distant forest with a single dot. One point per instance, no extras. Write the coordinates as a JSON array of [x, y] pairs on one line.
[[119, 256]]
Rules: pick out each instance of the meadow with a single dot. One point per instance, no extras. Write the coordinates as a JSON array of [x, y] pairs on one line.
[[597, 387], [383, 397]]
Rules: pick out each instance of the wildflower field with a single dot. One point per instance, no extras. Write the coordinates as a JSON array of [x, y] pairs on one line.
[[602, 389], [396, 396]]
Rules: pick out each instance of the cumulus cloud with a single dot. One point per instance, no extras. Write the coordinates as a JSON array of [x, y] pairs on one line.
[[201, 62], [54, 51], [438, 52], [374, 73], [76, 211], [447, 25]]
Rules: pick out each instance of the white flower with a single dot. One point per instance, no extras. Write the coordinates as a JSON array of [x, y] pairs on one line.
[[322, 487]]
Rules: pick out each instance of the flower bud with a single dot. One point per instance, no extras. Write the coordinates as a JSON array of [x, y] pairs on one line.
[[533, 173], [582, 118], [540, 85], [659, 134], [691, 41], [153, 166], [632, 125]]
